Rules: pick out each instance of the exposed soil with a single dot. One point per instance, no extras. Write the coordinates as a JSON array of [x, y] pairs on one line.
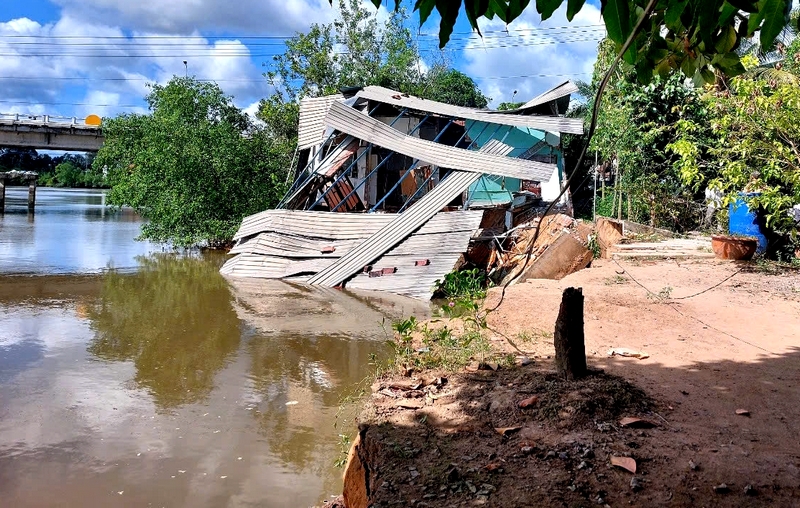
[[730, 348]]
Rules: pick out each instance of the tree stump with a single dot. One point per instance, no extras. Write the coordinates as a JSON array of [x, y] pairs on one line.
[[568, 337]]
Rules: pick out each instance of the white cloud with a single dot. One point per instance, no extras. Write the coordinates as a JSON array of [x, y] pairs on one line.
[[187, 16], [73, 67], [532, 49]]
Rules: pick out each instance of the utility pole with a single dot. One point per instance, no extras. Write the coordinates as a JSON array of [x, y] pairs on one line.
[[186, 68]]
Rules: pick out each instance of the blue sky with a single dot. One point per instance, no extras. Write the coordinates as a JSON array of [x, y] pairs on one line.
[[76, 57]]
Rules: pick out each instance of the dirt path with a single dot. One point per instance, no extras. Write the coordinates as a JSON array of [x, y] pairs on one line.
[[734, 347]]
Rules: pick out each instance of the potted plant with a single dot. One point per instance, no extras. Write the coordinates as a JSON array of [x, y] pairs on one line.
[[734, 247]]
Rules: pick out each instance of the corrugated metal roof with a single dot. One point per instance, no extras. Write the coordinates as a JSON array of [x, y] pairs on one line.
[[540, 122], [358, 125], [403, 225], [311, 126], [562, 90]]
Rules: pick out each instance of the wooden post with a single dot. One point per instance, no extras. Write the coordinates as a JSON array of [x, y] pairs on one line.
[[31, 195], [2, 193], [568, 337]]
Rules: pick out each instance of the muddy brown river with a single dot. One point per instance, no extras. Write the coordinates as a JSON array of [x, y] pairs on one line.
[[135, 376]]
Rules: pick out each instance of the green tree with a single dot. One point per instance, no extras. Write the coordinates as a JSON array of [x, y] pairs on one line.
[[68, 174], [193, 167], [749, 144], [355, 50], [696, 37], [452, 87], [506, 106], [636, 124]]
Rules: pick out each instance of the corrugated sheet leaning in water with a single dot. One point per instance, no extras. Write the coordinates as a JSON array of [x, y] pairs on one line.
[[406, 223], [440, 241]]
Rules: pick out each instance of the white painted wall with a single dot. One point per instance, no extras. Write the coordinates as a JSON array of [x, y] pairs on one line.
[[552, 187]]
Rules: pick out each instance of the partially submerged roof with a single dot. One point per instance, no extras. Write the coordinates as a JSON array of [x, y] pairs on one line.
[[539, 122], [311, 125]]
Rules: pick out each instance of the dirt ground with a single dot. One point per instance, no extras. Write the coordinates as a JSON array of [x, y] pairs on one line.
[[733, 347]]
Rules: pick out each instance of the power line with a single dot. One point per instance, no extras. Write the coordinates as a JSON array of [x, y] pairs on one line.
[[216, 53], [181, 42], [252, 80], [280, 37]]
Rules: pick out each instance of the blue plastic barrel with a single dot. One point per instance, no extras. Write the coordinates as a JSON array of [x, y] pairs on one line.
[[744, 221]]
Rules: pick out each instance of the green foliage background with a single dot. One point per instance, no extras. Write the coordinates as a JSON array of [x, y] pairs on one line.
[[194, 166]]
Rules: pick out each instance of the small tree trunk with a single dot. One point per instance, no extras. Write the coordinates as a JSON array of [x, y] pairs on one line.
[[629, 207], [568, 337]]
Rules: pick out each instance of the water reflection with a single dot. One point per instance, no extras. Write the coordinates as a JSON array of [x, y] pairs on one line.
[[173, 319], [177, 387], [311, 347]]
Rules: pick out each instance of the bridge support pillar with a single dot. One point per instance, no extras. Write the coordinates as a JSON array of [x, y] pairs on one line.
[[31, 195], [2, 194]]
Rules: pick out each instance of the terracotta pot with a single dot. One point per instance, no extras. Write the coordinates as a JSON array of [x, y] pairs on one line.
[[734, 247]]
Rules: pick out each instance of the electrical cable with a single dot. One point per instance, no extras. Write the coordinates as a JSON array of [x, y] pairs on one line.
[[592, 126]]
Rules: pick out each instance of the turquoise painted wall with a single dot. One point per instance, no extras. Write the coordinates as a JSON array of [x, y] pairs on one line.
[[494, 190]]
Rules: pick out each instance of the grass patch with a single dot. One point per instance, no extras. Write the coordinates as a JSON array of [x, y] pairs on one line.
[[770, 267], [533, 336], [616, 279], [449, 344]]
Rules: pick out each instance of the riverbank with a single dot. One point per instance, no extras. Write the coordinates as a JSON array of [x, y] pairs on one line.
[[716, 383]]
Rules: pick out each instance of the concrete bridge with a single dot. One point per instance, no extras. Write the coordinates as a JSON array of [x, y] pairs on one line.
[[47, 132]]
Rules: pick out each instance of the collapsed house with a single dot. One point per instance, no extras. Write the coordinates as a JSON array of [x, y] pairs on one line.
[[390, 189]]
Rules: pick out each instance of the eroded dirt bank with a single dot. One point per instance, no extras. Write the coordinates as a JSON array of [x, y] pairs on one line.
[[462, 439]]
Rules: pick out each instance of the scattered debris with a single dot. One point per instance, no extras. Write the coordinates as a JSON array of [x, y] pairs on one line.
[[506, 431], [636, 484], [638, 423], [292, 403], [693, 466], [743, 412], [560, 249], [721, 488], [749, 490], [530, 401], [626, 463], [628, 353], [410, 404], [494, 467]]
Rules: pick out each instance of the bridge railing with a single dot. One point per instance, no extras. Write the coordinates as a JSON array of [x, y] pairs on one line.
[[55, 121]]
